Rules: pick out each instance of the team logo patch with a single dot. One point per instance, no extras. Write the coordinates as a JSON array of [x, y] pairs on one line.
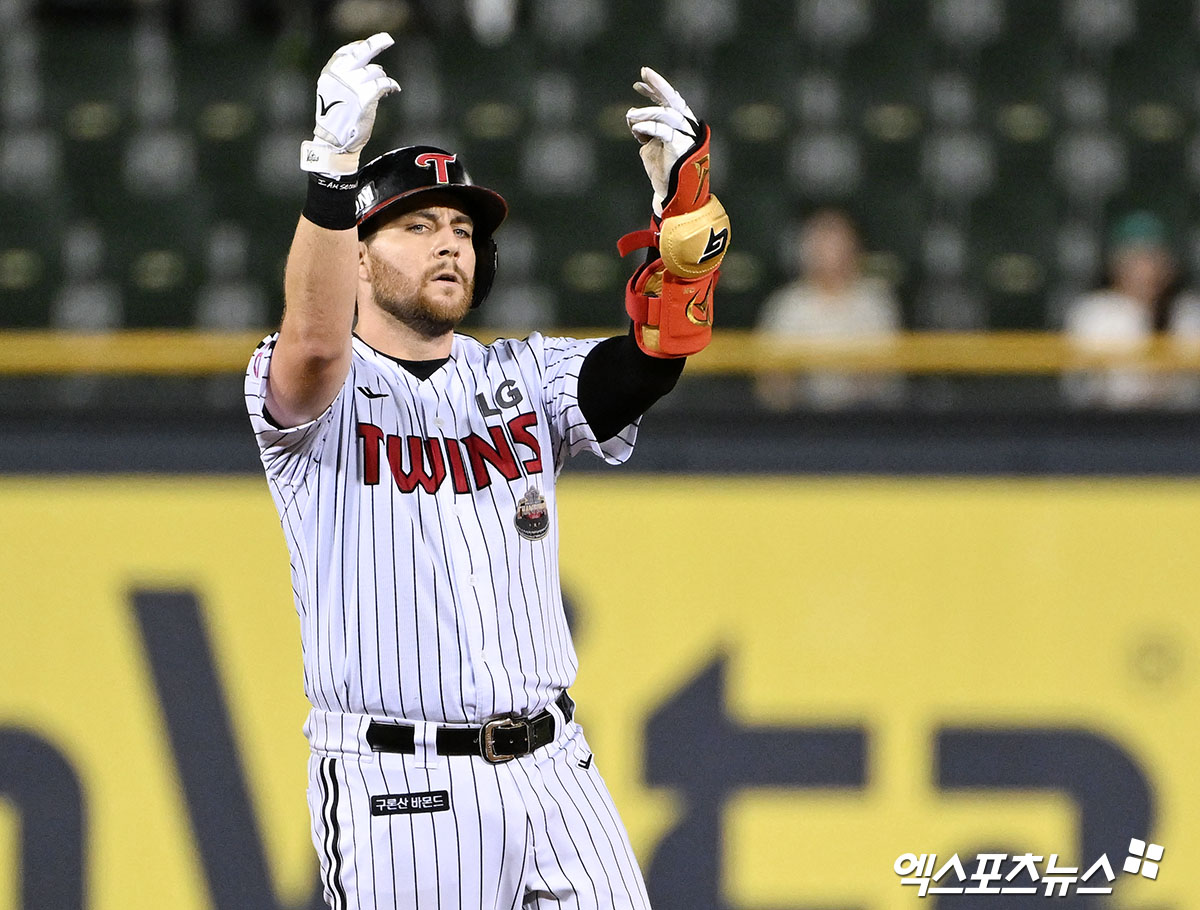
[[532, 519], [440, 163], [410, 803]]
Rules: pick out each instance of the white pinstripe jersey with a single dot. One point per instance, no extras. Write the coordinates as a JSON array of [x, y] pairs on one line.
[[418, 597]]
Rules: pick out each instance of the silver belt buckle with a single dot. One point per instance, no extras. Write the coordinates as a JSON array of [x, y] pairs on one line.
[[487, 739]]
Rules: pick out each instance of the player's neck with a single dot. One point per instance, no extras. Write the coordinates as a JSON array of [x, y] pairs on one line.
[[394, 338]]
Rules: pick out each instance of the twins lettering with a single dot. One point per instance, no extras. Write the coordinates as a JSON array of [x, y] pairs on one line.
[[425, 463]]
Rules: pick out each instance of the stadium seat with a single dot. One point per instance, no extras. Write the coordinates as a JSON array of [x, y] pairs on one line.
[[967, 24], [569, 25], [1011, 255], [833, 23], [921, 118], [1091, 165], [29, 270], [700, 24], [88, 299], [826, 164], [1078, 252], [959, 165], [949, 306], [1098, 24]]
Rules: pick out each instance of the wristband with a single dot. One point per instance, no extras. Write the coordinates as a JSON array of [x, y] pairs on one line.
[[331, 201], [319, 157]]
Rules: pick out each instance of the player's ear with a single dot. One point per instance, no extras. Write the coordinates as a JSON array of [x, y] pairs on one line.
[[364, 261]]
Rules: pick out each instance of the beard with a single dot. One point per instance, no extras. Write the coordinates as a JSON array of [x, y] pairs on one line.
[[421, 304]]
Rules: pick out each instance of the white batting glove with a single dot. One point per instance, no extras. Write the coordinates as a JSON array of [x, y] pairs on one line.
[[666, 131], [348, 93]]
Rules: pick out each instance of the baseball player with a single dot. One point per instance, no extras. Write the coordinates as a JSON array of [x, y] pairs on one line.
[[414, 470]]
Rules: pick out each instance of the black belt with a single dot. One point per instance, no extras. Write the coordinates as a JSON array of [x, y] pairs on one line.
[[498, 740]]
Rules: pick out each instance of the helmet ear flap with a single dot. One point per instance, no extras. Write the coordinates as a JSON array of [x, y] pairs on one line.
[[487, 257]]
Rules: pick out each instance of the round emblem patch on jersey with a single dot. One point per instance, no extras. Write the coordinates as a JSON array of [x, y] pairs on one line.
[[532, 519]]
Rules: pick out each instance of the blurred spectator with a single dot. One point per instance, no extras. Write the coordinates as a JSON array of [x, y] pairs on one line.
[[834, 303], [1142, 296]]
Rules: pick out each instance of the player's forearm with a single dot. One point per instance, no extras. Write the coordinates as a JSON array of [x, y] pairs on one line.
[[618, 383], [312, 355], [320, 284]]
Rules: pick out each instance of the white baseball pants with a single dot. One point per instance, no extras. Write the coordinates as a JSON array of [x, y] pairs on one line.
[[430, 832]]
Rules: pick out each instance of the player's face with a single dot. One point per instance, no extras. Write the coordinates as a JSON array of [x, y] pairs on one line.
[[422, 267], [1143, 272]]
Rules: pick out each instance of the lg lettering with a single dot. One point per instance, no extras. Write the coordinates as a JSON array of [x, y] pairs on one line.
[[507, 395]]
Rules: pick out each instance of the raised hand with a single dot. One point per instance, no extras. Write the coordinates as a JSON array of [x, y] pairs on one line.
[[666, 131], [348, 93]]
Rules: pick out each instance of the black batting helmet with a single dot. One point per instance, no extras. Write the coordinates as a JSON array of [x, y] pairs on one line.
[[416, 169]]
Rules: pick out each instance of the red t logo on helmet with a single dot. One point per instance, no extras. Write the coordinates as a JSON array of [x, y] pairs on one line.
[[439, 160]]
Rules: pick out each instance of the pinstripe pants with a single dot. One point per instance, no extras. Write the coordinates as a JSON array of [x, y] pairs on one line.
[[540, 831]]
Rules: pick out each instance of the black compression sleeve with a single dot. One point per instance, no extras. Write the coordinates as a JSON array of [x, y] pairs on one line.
[[618, 383]]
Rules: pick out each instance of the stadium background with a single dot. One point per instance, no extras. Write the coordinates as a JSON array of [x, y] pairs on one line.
[[966, 623]]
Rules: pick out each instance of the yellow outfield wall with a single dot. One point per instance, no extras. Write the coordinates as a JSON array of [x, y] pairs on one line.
[[789, 683]]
